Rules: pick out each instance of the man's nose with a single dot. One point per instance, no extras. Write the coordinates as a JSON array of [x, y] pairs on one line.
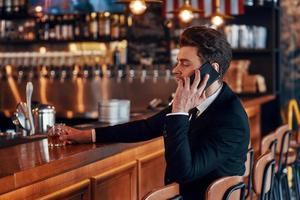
[[175, 69]]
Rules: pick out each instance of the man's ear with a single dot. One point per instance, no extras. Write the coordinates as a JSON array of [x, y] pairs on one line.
[[216, 66]]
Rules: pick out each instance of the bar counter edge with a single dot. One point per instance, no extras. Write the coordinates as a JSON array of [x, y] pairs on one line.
[[114, 171]]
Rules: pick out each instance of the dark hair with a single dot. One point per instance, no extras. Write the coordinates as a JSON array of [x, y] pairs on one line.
[[212, 45]]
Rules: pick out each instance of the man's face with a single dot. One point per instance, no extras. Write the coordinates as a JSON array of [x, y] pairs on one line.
[[187, 62]]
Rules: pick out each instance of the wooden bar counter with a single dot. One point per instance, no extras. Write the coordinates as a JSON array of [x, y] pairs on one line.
[[92, 171]]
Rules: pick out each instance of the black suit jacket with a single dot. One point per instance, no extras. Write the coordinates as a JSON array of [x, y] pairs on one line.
[[197, 152]]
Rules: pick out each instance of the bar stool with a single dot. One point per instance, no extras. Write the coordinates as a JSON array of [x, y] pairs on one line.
[[227, 188], [249, 172], [269, 144], [284, 158], [166, 192], [263, 176], [295, 144]]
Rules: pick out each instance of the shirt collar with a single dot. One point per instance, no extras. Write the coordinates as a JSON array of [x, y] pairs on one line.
[[204, 105]]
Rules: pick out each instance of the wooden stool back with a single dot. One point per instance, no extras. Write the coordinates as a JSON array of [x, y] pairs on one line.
[[229, 188], [163, 193], [249, 171], [263, 175], [269, 143], [283, 135]]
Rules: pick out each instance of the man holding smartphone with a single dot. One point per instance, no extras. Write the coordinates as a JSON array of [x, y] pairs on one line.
[[201, 147]]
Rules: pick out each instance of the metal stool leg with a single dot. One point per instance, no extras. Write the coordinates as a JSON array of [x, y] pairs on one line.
[[279, 187], [296, 179], [286, 186], [275, 194]]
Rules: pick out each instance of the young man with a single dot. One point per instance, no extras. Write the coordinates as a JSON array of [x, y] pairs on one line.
[[201, 148]]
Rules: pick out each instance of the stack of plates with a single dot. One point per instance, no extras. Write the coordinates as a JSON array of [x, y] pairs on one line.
[[114, 111]]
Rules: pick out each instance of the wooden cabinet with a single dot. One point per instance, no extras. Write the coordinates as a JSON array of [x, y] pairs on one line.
[[151, 170], [118, 183], [127, 174], [78, 191], [51, 189]]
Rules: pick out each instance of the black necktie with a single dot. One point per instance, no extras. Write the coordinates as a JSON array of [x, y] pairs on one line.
[[193, 113]]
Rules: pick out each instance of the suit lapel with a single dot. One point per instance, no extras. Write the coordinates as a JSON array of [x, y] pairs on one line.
[[210, 112]]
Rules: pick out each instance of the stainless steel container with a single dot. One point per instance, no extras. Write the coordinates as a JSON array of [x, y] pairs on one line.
[[114, 111], [44, 116], [124, 110]]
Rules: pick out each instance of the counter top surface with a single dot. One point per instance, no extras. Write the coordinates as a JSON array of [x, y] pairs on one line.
[[26, 158]]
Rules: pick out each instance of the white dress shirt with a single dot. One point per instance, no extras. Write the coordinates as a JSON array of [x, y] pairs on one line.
[[203, 106]]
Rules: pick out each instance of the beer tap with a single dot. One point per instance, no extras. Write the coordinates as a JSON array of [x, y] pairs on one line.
[[31, 66], [51, 69], [1, 73], [120, 71], [168, 74], [97, 71], [131, 71], [63, 70], [44, 69], [1, 66], [156, 71], [75, 67], [85, 71], [19, 70], [109, 71], [144, 74], [70, 60], [155, 74]]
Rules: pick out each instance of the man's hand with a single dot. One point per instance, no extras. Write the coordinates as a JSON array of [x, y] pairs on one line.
[[76, 136], [188, 97]]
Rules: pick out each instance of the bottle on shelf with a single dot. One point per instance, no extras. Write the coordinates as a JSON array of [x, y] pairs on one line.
[[116, 56], [115, 30], [69, 27], [1, 7], [2, 29], [123, 26], [16, 6], [28, 31], [58, 28], [77, 27], [46, 28], [93, 26], [8, 7], [86, 30], [23, 6], [104, 25]]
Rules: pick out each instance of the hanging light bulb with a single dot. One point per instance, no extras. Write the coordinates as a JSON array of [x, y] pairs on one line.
[[137, 7], [186, 16], [186, 12], [217, 20]]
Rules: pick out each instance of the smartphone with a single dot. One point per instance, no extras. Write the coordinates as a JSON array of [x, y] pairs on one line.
[[206, 68]]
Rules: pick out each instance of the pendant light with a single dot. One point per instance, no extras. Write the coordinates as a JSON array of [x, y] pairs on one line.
[[137, 7], [217, 18], [186, 12]]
